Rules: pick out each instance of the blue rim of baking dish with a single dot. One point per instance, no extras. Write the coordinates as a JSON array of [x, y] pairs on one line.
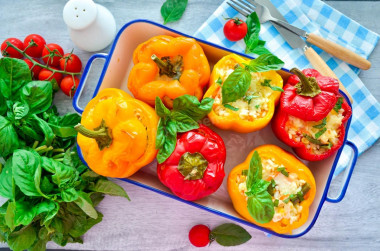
[[228, 216]]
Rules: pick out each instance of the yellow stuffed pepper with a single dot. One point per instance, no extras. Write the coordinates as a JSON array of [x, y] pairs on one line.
[[168, 67], [117, 134], [245, 96], [272, 189]]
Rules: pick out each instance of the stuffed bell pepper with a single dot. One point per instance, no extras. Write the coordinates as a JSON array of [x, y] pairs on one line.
[[245, 92], [196, 167], [168, 67], [117, 134], [312, 115], [272, 189]]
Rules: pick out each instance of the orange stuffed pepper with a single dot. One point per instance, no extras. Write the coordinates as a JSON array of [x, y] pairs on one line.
[[168, 67], [272, 189]]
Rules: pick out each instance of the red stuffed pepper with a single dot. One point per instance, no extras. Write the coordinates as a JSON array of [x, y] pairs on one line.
[[196, 167], [313, 125]]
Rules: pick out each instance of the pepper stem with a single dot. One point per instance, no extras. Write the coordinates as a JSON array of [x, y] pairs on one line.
[[192, 165], [308, 86], [101, 134], [160, 63]]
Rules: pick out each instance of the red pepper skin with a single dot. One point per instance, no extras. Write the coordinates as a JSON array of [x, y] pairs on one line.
[[310, 108], [278, 126], [211, 146]]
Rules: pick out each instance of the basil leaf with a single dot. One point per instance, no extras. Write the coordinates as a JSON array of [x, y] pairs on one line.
[[26, 211], [183, 122], [22, 239], [6, 181], [229, 234], [266, 62], [161, 109], [233, 108], [170, 142], [273, 87], [27, 172], [260, 207], [160, 137], [44, 127], [320, 132], [255, 170], [9, 217], [338, 104], [80, 224], [322, 124], [20, 110], [191, 106], [251, 39], [108, 187], [260, 49], [68, 120], [63, 176], [69, 195], [15, 73], [85, 203], [8, 137], [38, 95], [258, 187], [236, 85], [172, 10], [219, 81]]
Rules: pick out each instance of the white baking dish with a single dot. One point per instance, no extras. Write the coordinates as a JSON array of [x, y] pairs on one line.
[[118, 64]]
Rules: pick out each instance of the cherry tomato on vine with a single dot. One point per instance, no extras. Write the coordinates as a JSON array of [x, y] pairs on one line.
[[36, 44], [235, 29], [51, 54], [46, 74], [35, 70], [10, 52], [68, 86], [70, 62], [199, 235]]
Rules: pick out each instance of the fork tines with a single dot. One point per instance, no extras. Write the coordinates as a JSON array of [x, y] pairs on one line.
[[241, 6]]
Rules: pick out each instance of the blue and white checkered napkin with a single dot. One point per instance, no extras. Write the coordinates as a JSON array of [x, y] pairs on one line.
[[319, 18]]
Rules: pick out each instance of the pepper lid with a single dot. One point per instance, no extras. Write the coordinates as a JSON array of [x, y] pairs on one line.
[[78, 14]]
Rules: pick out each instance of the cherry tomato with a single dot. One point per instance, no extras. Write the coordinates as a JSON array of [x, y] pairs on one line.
[[51, 54], [235, 29], [35, 70], [46, 74], [72, 61], [68, 86], [10, 52], [199, 235], [37, 44]]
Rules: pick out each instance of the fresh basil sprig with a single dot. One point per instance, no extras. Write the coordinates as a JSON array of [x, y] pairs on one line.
[[251, 39], [238, 82], [260, 204], [187, 110], [230, 234], [172, 10]]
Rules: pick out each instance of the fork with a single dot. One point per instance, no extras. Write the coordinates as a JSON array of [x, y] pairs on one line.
[[248, 6]]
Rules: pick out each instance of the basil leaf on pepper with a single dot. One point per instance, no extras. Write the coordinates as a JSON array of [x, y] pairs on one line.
[[260, 204], [238, 82], [187, 110]]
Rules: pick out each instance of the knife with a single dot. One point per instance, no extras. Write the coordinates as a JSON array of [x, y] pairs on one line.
[[296, 42], [326, 45]]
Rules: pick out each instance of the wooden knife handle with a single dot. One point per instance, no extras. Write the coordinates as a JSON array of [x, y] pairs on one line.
[[320, 65], [339, 51]]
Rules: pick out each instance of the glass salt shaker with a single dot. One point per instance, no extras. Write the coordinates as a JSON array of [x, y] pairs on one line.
[[92, 27]]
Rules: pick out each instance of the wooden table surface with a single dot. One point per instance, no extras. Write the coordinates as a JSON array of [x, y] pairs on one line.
[[154, 222]]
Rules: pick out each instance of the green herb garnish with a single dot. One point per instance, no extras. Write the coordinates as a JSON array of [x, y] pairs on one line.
[[266, 83], [338, 104], [322, 124], [257, 106], [219, 81], [319, 134], [244, 172], [260, 204], [233, 108], [251, 39], [275, 203], [249, 98], [286, 200], [271, 187], [313, 140], [283, 171]]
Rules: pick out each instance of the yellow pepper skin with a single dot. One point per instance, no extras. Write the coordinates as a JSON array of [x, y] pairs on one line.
[[129, 122], [292, 165], [146, 81], [233, 121]]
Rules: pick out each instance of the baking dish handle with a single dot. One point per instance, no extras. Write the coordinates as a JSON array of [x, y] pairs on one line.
[[83, 80], [348, 176]]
